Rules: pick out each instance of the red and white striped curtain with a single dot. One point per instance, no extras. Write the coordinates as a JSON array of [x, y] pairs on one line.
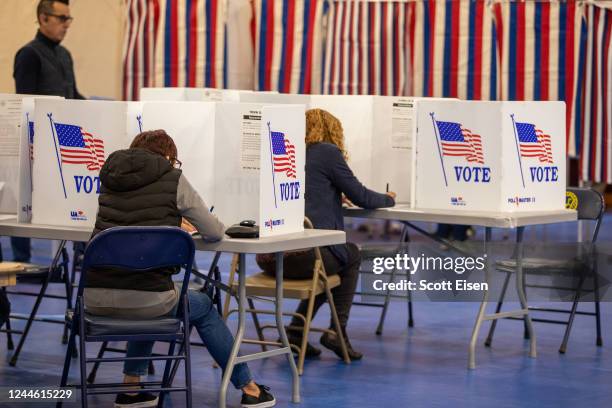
[[539, 44], [594, 108], [366, 48], [174, 43], [143, 18], [288, 43], [470, 49], [452, 50]]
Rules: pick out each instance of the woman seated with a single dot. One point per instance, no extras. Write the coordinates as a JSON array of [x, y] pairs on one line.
[[329, 182], [143, 185]]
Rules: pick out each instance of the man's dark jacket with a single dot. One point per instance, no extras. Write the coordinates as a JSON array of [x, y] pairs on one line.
[[44, 67]]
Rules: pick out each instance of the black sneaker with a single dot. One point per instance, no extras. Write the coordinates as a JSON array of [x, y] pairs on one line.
[[264, 400], [141, 400]]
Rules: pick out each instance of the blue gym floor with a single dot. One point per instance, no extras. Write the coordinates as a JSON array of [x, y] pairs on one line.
[[423, 366]]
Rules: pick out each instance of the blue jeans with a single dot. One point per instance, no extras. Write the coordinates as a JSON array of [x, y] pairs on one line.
[[213, 332]]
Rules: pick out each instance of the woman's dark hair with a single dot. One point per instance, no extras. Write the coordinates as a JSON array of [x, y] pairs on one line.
[[156, 141]]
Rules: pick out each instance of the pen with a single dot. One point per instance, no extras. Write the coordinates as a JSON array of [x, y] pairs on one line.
[[387, 187]]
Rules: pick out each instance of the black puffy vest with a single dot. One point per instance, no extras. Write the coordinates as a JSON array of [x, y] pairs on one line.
[[138, 188], [56, 70]]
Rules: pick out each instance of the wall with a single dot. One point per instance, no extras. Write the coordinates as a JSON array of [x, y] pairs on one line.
[[95, 41]]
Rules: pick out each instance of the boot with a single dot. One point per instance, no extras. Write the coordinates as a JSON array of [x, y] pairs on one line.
[[332, 342], [295, 338]]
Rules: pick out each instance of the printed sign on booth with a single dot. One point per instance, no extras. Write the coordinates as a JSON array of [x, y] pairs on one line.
[[490, 156], [282, 159], [73, 140]]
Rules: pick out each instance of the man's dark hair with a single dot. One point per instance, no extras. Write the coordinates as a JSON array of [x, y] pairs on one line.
[[156, 141], [46, 6]]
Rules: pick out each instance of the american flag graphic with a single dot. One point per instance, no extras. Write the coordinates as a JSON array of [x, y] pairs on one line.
[[79, 147], [283, 154], [460, 142], [533, 142], [31, 139]]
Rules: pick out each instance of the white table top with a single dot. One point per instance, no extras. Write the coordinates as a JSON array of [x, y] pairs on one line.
[[480, 218], [285, 242]]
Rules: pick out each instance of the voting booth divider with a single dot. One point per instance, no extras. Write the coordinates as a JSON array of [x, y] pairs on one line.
[[379, 134], [198, 94], [16, 135], [72, 140], [490, 156], [226, 153], [246, 160]]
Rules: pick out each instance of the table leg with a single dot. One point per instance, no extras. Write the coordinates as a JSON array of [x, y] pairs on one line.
[[281, 327], [520, 290], [480, 317], [239, 333]]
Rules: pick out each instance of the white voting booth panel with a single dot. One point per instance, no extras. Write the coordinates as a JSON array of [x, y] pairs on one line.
[[379, 133], [163, 94], [355, 114], [276, 98], [72, 141], [393, 155], [282, 178], [195, 94], [490, 156], [134, 119], [16, 115], [10, 135], [26, 158], [220, 147], [192, 127], [237, 164]]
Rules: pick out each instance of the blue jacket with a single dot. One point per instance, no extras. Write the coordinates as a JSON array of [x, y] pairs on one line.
[[327, 177]]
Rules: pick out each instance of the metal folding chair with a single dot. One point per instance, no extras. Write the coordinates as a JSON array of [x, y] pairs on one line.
[[591, 207], [210, 286], [133, 248], [262, 287], [41, 275], [369, 252]]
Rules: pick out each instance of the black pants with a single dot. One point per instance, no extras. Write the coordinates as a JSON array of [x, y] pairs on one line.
[[301, 267], [5, 308], [456, 232]]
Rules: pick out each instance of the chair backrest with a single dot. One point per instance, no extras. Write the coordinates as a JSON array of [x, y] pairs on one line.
[[139, 248], [589, 204]]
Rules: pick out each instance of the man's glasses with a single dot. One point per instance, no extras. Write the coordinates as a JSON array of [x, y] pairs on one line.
[[176, 163], [62, 18]]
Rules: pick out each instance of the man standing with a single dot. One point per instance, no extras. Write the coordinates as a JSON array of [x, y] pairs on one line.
[[44, 67]]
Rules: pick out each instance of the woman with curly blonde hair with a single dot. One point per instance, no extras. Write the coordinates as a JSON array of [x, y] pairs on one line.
[[328, 179], [322, 126]]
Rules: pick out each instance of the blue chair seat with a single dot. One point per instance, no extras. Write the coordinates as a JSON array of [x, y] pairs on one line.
[[108, 326]]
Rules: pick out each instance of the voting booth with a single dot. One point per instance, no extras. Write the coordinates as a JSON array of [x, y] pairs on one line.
[[194, 94], [379, 135], [245, 159], [72, 140], [490, 156], [385, 125], [10, 135], [16, 138]]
